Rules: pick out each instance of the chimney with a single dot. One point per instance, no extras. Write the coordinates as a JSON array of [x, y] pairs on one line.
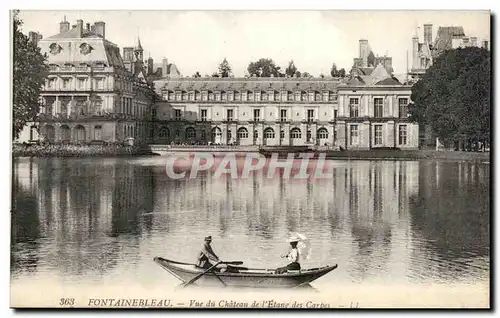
[[428, 33], [363, 52], [88, 27], [473, 41], [485, 44], [100, 29], [64, 26], [164, 67], [150, 65], [79, 27]]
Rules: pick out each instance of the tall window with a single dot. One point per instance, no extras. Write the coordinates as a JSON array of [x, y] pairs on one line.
[[256, 114], [191, 96], [203, 115], [354, 136], [52, 83], [378, 135], [283, 114], [402, 134], [223, 96], [230, 115], [184, 96], [297, 96], [354, 107], [325, 96], [66, 83], [403, 107], [310, 115], [378, 107], [237, 96], [177, 114], [97, 133], [81, 83], [335, 113]]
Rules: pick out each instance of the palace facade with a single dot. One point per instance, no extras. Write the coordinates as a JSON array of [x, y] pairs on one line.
[[91, 94], [359, 112]]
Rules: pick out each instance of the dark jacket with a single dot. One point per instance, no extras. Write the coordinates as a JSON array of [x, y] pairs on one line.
[[206, 256]]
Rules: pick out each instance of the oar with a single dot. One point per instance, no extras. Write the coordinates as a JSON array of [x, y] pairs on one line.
[[209, 269]]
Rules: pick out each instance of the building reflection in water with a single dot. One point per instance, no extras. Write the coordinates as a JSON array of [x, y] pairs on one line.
[[375, 218]]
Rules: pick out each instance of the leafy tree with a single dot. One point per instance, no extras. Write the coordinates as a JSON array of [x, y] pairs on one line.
[[333, 70], [264, 68], [215, 75], [341, 72], [225, 69], [291, 69], [197, 74], [305, 74], [453, 97], [298, 74], [29, 73]]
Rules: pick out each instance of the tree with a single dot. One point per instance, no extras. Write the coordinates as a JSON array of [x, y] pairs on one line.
[[215, 75], [291, 69], [333, 70], [225, 69], [264, 68], [305, 74], [453, 97], [197, 74], [29, 73], [341, 73]]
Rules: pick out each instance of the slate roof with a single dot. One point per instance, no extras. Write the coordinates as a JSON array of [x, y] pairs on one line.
[[250, 84]]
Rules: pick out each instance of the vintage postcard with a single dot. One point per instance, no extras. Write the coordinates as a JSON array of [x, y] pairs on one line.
[[250, 159]]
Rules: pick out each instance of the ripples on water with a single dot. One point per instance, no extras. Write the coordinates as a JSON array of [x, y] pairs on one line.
[[101, 221]]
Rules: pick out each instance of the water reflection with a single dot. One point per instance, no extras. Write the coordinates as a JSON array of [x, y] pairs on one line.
[[403, 221]]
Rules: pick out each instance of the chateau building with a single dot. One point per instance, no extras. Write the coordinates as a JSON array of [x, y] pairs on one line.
[[447, 38], [367, 110], [424, 53], [91, 94]]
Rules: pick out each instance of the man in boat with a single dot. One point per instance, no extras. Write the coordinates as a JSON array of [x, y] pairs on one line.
[[207, 257], [292, 255]]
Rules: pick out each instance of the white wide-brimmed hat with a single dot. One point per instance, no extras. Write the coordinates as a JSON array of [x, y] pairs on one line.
[[293, 238]]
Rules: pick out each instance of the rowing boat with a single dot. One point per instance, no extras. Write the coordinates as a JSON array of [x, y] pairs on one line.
[[243, 277]]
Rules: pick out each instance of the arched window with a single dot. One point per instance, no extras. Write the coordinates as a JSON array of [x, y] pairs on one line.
[[216, 132], [322, 133], [242, 133], [50, 133], [190, 133], [65, 133], [295, 133], [80, 133], [269, 133], [164, 132]]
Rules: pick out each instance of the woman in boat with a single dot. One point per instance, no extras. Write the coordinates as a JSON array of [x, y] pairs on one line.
[[292, 255]]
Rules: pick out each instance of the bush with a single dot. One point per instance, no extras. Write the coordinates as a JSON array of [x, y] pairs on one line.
[[82, 150]]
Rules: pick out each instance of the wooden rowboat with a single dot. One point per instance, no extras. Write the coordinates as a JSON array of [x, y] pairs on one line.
[[244, 277]]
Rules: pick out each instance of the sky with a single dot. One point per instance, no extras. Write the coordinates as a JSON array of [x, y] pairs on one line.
[[200, 40]]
